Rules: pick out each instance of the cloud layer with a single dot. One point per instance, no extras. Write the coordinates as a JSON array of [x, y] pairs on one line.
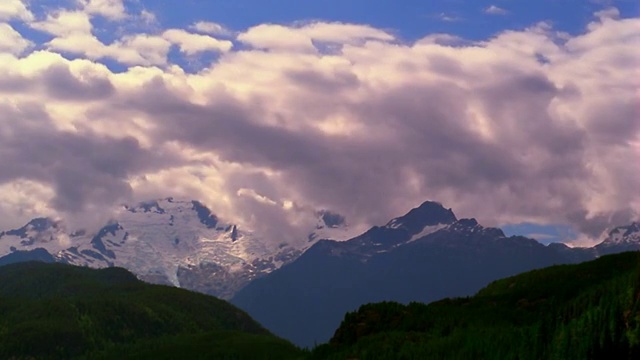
[[531, 125]]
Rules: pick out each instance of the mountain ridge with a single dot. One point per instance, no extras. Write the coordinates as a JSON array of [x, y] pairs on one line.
[[387, 263], [413, 257], [173, 242]]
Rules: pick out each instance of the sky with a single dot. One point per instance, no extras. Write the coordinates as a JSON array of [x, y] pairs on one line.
[[521, 114]]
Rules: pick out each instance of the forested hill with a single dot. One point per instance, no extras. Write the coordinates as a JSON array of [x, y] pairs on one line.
[[55, 311], [585, 311]]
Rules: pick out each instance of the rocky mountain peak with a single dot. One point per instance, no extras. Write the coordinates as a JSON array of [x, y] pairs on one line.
[[430, 213], [36, 225]]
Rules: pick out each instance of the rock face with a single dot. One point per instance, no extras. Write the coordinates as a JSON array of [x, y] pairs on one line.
[[180, 243]]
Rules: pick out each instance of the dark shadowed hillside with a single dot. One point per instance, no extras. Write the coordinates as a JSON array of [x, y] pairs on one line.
[[424, 256], [55, 311], [586, 311]]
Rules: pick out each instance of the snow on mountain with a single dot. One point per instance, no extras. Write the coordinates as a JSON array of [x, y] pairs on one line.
[[37, 233], [624, 235], [332, 226], [622, 238], [428, 230], [418, 223], [428, 214], [182, 243], [174, 242]]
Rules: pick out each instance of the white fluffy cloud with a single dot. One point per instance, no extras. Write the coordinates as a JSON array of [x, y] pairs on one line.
[[14, 9], [211, 28], [110, 9], [302, 38], [530, 125], [192, 44], [72, 32], [11, 41], [495, 10], [65, 23], [139, 49]]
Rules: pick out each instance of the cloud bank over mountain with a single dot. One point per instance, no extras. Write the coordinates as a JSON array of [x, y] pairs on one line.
[[102, 105]]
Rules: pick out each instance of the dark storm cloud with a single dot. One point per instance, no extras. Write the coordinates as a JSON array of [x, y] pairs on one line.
[[485, 128], [616, 124], [436, 136], [316, 81], [445, 65], [354, 173], [226, 126], [12, 83], [83, 168], [61, 84], [595, 225], [416, 136]]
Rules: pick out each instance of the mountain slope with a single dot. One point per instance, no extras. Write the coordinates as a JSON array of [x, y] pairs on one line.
[[169, 241], [423, 256], [621, 238], [18, 256], [585, 311], [62, 311]]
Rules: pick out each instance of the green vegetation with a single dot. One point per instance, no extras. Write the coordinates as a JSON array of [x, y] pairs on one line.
[[55, 311], [586, 311]]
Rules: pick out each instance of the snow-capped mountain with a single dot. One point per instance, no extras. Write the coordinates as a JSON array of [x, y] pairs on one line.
[[424, 255], [416, 224], [38, 233], [181, 243], [622, 238]]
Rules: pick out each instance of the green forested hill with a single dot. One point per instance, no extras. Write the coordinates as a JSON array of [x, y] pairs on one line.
[[585, 311], [60, 311]]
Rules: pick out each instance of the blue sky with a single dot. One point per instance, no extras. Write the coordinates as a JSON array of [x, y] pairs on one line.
[[408, 20], [543, 233], [521, 114], [411, 19]]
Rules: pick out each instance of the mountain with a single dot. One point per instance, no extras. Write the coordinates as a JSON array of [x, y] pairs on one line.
[[425, 255], [585, 311], [18, 256], [57, 311], [622, 238], [169, 241]]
